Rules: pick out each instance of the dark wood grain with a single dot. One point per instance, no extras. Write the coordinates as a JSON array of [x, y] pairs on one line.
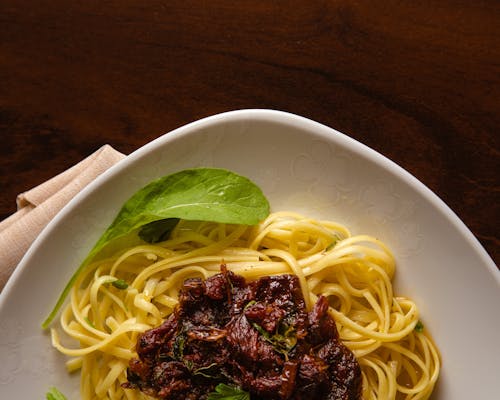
[[419, 83]]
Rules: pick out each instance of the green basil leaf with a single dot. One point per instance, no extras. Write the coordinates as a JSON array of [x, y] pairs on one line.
[[203, 194], [54, 394], [419, 327], [226, 392], [158, 231]]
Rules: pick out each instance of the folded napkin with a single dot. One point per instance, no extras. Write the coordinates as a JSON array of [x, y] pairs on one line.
[[38, 206]]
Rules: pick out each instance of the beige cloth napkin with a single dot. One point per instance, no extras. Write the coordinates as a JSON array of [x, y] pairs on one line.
[[38, 206]]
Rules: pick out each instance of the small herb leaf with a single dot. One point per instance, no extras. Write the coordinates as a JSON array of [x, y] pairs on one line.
[[419, 327], [178, 347], [283, 340], [227, 392], [210, 371], [120, 284], [54, 394]]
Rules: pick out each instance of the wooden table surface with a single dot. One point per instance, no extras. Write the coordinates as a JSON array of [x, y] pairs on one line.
[[420, 83]]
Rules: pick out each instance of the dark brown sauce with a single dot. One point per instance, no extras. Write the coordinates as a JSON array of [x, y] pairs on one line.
[[257, 336]]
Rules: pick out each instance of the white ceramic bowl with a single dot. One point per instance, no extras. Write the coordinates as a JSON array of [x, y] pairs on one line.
[[302, 166]]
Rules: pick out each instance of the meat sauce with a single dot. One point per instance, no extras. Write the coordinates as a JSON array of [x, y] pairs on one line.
[[255, 335]]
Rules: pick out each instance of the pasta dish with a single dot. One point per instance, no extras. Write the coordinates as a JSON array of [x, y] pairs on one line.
[[115, 299]]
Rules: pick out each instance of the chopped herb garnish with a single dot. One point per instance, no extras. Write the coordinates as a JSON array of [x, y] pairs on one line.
[[249, 304], [178, 347], [331, 245], [54, 394], [120, 284], [283, 340], [210, 371], [189, 364], [419, 327], [227, 392]]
